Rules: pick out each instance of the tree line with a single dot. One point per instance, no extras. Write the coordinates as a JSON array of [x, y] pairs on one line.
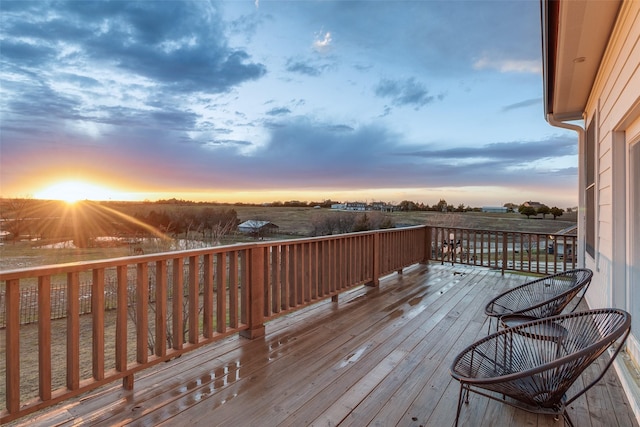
[[85, 221], [543, 210]]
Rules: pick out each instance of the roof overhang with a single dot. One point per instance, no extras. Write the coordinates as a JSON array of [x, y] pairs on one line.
[[575, 34]]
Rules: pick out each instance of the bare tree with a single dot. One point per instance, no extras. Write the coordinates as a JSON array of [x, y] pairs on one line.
[[15, 216]]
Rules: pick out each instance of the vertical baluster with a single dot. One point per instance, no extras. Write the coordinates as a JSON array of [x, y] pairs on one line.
[[520, 250], [221, 295], [161, 308], [97, 313], [194, 297], [73, 331], [339, 263], [266, 273], [268, 289], [323, 288], [207, 324], [305, 273], [313, 269], [44, 337], [293, 261], [276, 288], [331, 267], [121, 325], [13, 345], [299, 273], [142, 312], [177, 309], [284, 273], [233, 289], [245, 283], [350, 258]]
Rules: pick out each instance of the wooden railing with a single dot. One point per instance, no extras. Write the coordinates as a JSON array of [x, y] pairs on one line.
[[171, 303], [505, 250]]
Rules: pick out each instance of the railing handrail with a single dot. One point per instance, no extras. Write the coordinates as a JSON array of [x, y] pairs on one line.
[[76, 266]]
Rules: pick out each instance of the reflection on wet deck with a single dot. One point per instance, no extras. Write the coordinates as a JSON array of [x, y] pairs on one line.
[[378, 356]]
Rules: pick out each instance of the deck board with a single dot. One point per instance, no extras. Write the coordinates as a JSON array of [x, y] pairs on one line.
[[379, 356]]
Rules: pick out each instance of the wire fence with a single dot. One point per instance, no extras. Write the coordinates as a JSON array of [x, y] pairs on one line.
[[29, 295], [29, 302]]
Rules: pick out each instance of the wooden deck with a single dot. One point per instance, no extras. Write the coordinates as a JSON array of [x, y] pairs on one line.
[[378, 356]]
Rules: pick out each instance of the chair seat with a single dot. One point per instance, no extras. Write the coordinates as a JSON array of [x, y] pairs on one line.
[[543, 297], [548, 331]]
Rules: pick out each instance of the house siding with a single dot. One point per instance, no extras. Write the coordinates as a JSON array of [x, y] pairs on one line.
[[614, 104]]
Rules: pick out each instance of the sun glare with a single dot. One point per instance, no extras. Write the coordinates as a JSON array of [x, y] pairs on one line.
[[74, 191]]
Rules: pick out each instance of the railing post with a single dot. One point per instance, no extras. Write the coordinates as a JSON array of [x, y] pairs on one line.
[[256, 294], [504, 251], [427, 245], [375, 266]]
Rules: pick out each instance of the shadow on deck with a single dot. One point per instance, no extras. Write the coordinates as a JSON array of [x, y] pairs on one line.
[[378, 356]]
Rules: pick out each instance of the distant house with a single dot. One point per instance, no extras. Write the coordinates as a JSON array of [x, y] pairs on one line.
[[356, 206], [382, 206], [494, 209], [255, 227]]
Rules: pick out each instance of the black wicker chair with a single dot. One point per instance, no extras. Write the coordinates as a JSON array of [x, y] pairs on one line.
[[531, 366], [543, 297]]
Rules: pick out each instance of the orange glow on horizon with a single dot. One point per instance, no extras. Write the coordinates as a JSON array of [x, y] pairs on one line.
[[116, 189], [72, 191]]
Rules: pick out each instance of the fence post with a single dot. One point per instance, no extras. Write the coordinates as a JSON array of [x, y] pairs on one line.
[[256, 294]]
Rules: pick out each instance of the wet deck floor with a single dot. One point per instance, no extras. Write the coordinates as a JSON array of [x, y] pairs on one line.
[[378, 356]]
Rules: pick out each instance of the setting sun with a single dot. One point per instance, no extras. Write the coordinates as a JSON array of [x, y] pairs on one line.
[[73, 191]]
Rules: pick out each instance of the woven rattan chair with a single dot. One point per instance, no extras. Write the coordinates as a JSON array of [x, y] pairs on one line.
[[543, 297], [531, 366]]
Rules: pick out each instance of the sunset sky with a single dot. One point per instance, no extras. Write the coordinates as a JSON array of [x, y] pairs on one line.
[[259, 101]]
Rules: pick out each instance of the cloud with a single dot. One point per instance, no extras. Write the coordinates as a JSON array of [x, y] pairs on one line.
[[278, 111], [507, 153], [523, 104], [509, 65], [404, 92], [229, 142], [304, 68], [182, 47], [322, 43]]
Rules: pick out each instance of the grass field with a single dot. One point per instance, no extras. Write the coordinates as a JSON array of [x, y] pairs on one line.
[[292, 223]]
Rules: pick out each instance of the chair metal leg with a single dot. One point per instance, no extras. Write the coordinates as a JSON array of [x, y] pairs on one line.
[[460, 401], [567, 420]]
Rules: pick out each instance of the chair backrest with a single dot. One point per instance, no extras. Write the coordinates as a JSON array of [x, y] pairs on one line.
[[543, 297], [523, 363]]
